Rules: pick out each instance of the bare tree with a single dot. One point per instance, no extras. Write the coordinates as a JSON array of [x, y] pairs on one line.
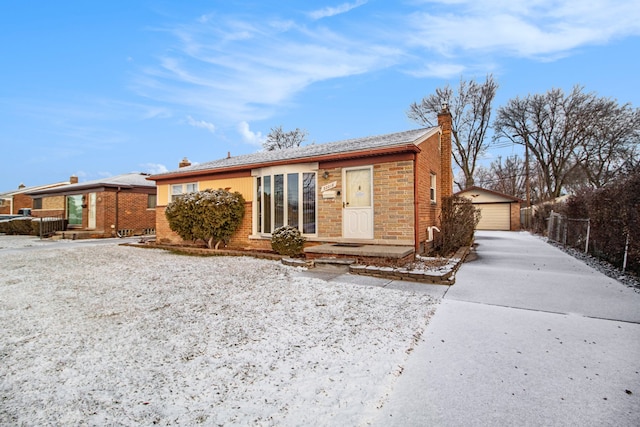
[[509, 177], [483, 177], [278, 139], [563, 133], [504, 176], [612, 148], [470, 106]]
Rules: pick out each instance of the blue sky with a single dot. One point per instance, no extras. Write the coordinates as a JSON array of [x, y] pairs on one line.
[[100, 88]]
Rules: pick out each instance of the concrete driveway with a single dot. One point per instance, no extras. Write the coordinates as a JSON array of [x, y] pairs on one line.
[[527, 336]]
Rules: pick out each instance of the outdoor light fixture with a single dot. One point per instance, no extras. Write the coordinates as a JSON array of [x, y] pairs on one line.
[[325, 175]]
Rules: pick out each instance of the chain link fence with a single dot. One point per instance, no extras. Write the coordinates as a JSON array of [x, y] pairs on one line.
[[578, 233]]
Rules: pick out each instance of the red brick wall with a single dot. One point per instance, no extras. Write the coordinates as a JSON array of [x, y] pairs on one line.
[[41, 213], [19, 201], [428, 162], [445, 121], [133, 213], [239, 240], [164, 234], [515, 217]]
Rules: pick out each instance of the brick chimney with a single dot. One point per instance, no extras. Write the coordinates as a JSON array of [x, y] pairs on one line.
[[73, 179], [445, 121], [184, 163]]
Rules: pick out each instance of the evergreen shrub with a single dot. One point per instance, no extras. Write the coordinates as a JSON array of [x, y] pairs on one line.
[[209, 215], [287, 240]]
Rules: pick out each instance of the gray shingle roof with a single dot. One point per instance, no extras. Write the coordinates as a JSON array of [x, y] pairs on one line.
[[127, 180], [309, 151], [25, 190]]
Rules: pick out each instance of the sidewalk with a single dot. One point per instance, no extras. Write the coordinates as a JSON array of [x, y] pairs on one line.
[[527, 336]]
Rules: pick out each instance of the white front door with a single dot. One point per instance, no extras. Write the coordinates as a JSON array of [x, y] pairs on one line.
[[92, 211], [357, 212]]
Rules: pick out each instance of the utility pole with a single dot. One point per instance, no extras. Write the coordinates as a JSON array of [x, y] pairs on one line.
[[525, 137], [526, 169]]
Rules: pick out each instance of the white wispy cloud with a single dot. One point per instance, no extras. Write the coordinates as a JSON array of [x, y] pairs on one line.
[[438, 70], [154, 168], [335, 10], [536, 29], [247, 69], [243, 71], [254, 138], [201, 124]]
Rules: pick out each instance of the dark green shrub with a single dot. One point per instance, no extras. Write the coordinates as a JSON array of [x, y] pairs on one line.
[[209, 215], [16, 226], [458, 220], [287, 240]]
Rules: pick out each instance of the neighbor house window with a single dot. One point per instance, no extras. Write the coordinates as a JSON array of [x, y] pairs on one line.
[[285, 197], [179, 190], [37, 203], [432, 188], [151, 201]]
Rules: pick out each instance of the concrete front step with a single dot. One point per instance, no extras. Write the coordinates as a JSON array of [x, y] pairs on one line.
[[333, 264]]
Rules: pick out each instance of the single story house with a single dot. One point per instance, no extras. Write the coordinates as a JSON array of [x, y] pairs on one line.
[[498, 211], [377, 190], [12, 201], [121, 205]]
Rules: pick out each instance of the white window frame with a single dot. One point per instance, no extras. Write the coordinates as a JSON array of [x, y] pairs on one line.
[[433, 188], [300, 169], [185, 188]]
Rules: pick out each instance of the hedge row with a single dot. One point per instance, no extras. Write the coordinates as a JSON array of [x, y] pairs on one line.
[[20, 226], [614, 218]]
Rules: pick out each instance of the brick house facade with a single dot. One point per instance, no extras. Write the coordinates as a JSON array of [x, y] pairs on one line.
[[120, 205], [380, 190], [12, 201]]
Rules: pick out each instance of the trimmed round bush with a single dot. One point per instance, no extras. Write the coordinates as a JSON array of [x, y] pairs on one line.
[[287, 240], [209, 215]]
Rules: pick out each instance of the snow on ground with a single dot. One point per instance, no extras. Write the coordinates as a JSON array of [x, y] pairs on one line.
[[95, 335], [600, 265], [14, 242]]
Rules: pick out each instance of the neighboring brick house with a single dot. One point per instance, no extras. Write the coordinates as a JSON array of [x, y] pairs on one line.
[[120, 205], [497, 211], [379, 190], [12, 201]]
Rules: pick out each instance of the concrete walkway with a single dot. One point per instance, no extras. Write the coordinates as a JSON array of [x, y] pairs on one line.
[[527, 336]]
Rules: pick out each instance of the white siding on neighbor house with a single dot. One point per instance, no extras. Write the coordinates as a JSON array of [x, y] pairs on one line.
[[495, 216]]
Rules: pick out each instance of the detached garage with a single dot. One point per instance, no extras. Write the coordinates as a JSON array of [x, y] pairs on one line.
[[498, 211]]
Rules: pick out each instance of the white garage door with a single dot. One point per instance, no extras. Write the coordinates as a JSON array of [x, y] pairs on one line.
[[495, 216]]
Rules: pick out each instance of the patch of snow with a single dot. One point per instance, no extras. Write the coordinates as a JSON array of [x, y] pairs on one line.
[[600, 265], [18, 242], [106, 334]]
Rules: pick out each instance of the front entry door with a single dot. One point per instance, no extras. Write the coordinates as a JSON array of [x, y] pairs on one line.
[[357, 212], [92, 211]]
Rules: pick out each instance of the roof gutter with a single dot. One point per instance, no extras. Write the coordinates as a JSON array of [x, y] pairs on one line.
[[63, 191]]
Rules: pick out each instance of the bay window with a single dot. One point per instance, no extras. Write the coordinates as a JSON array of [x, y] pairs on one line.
[[285, 195]]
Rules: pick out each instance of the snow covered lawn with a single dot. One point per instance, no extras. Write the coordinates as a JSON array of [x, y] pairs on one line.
[[113, 335]]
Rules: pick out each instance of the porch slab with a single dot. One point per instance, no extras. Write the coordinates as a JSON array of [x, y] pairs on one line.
[[374, 251]]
